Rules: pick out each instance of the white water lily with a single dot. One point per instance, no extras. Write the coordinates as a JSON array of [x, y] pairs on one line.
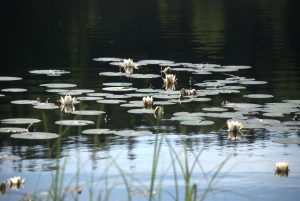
[[67, 108], [159, 112], [282, 167], [148, 101], [234, 126], [15, 181], [166, 70], [169, 82], [192, 92], [67, 100], [128, 65]]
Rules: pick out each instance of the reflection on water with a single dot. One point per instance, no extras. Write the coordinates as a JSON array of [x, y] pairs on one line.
[[68, 36]]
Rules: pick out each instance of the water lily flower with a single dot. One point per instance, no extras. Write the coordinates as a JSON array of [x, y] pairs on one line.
[[282, 167], [234, 136], [159, 112], [169, 82], [234, 126], [67, 100], [192, 92], [15, 182], [128, 65], [166, 70], [182, 93], [148, 101]]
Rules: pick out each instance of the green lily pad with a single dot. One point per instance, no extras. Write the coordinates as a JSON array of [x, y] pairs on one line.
[[13, 90], [74, 122], [117, 84], [98, 131], [9, 78], [12, 130], [258, 96], [133, 133], [35, 136], [20, 121], [111, 101], [88, 112], [58, 85]]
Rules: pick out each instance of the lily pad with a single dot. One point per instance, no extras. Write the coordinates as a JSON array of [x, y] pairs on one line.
[[49, 72], [8, 78], [45, 106], [119, 89], [98, 131], [143, 76], [155, 62], [25, 102], [74, 122], [258, 96], [287, 140], [99, 94], [112, 74], [141, 111], [89, 98], [133, 133], [35, 136], [57, 90], [12, 130], [107, 59], [20, 121], [58, 85], [214, 109], [111, 101], [88, 112], [117, 84], [252, 82], [196, 123], [14, 90]]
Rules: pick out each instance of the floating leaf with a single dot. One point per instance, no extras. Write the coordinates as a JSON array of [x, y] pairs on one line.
[[14, 90], [141, 111], [35, 136], [88, 112], [214, 109], [74, 122], [132, 133], [89, 98], [20, 121], [119, 89], [117, 84], [45, 106], [143, 76], [196, 123], [25, 102], [112, 74], [99, 94], [58, 85], [49, 72], [155, 62], [12, 130], [258, 96], [107, 59], [98, 131], [111, 101], [8, 78], [252, 82]]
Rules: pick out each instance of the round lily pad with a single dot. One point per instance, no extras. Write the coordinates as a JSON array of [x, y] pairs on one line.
[[20, 121], [107, 59], [143, 76], [8, 78], [111, 101], [237, 67], [252, 82], [141, 111], [14, 90], [45, 106], [287, 140], [148, 90], [58, 85], [89, 98], [98, 131], [258, 96], [88, 112], [35, 136], [12, 130], [74, 122], [117, 84], [119, 89], [99, 94], [25, 102], [214, 109], [132, 133], [49, 72], [112, 74], [196, 123], [57, 90], [273, 114], [153, 62]]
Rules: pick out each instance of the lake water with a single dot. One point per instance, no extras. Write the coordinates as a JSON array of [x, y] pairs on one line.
[[234, 42]]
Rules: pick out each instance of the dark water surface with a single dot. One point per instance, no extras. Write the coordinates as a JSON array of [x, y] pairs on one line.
[[68, 35]]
